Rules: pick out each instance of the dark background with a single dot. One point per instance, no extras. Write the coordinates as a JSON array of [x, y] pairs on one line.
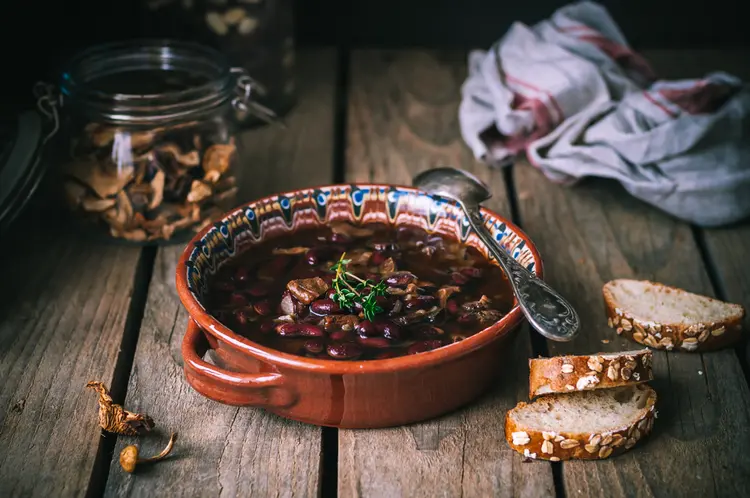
[[38, 35]]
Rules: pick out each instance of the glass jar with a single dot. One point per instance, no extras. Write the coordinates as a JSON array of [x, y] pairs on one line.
[[257, 35], [149, 129]]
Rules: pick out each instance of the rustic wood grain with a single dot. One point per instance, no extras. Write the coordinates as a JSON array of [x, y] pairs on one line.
[[727, 247], [402, 119], [63, 309], [223, 450], [595, 232]]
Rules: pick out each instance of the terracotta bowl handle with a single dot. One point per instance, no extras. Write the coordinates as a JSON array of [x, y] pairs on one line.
[[233, 388]]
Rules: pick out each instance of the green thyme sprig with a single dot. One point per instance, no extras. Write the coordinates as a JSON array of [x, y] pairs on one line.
[[350, 290]]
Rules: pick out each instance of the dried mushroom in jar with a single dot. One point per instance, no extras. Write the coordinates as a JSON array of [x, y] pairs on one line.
[[148, 185]]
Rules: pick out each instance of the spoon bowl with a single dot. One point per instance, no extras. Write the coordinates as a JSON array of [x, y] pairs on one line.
[[545, 309], [454, 184]]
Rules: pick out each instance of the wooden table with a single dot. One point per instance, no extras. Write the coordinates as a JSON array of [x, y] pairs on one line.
[[72, 312]]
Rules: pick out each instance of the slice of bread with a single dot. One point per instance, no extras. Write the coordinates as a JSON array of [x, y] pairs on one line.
[[665, 317], [564, 374], [587, 425]]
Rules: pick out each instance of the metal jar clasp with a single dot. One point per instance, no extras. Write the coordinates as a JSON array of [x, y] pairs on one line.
[[244, 102]]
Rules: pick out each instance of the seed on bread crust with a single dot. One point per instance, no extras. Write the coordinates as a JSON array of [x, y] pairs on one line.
[[520, 438], [709, 324], [569, 443], [595, 363], [586, 382], [613, 371], [547, 447], [560, 374], [557, 444]]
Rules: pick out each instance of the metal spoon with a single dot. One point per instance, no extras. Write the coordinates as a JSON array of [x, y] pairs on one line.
[[546, 310]]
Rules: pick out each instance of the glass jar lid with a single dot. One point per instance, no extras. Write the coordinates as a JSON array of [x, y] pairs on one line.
[[147, 82]]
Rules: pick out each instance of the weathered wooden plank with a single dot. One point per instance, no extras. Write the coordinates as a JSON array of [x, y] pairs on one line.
[[63, 308], [402, 119], [727, 247], [223, 450], [596, 232]]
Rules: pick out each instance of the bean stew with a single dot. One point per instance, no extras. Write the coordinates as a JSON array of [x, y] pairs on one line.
[[359, 292]]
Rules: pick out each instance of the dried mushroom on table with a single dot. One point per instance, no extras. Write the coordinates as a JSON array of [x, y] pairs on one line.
[[147, 185]]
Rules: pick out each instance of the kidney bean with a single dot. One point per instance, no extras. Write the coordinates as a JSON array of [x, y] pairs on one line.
[[263, 307], [374, 342], [377, 258], [313, 256], [420, 302], [385, 355], [275, 266], [288, 330], [266, 327], [241, 274], [330, 294], [459, 278], [259, 289], [472, 272], [424, 346], [375, 277], [224, 286], [344, 350], [325, 307], [400, 278], [237, 300], [243, 316], [341, 335], [309, 330], [366, 328], [388, 329], [429, 331], [383, 302], [319, 254], [314, 346], [451, 306], [339, 238]]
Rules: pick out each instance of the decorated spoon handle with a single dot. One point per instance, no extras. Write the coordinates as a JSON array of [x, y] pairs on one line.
[[547, 311]]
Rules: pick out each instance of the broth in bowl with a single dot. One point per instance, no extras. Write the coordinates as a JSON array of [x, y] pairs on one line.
[[367, 292]]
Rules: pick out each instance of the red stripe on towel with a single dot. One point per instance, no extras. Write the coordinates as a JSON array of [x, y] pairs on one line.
[[701, 98], [621, 54], [561, 115], [658, 104]]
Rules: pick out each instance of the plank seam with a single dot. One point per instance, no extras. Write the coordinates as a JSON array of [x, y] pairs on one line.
[[118, 389], [538, 343], [720, 291]]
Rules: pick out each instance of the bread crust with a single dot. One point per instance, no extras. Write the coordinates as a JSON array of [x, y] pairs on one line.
[[557, 447], [565, 374], [705, 336]]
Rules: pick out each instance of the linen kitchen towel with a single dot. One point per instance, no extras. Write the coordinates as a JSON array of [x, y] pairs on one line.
[[573, 96]]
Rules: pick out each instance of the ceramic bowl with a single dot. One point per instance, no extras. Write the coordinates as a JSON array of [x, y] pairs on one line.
[[346, 394]]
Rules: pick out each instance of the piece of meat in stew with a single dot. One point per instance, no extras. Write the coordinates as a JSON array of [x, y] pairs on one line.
[[359, 292]]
